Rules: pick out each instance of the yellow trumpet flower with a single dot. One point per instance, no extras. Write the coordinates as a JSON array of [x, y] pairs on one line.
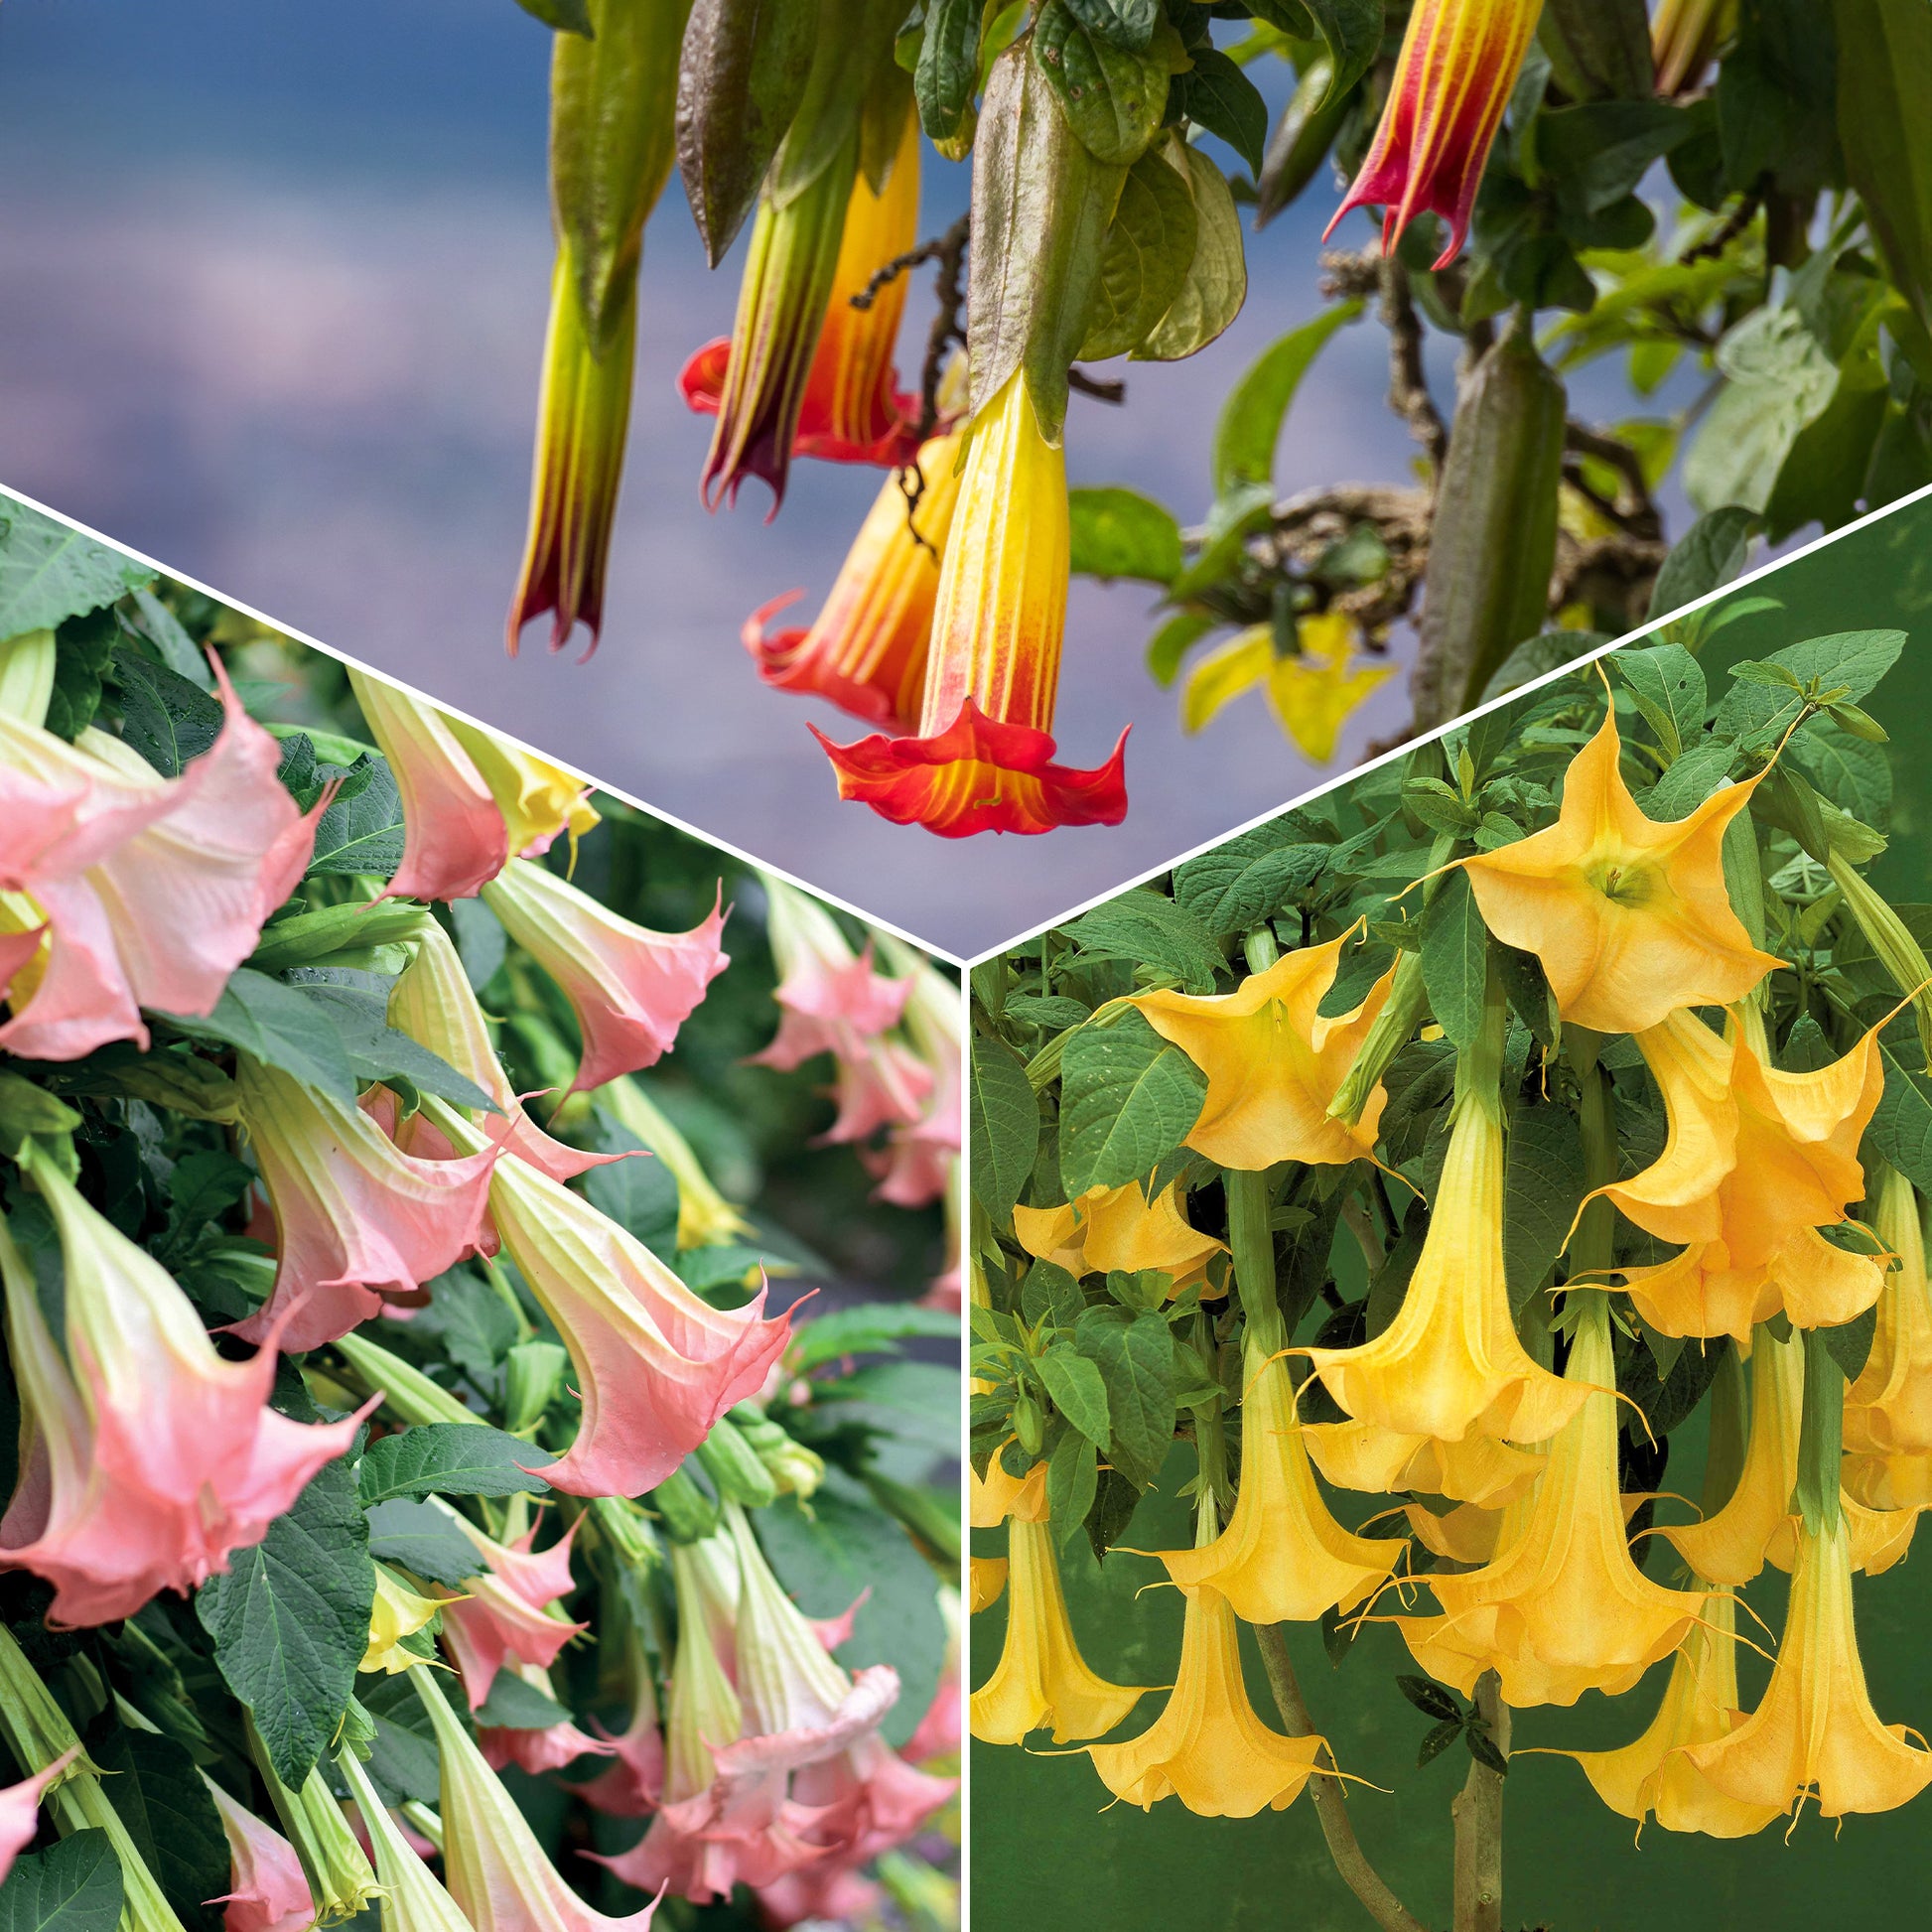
[[988, 1582], [1890, 1481], [1629, 916], [397, 1612], [1041, 1681], [1656, 1772], [1282, 1557], [995, 1496], [1119, 1227], [1889, 1409], [1469, 1533], [1815, 1732], [1451, 1362], [1208, 1747], [1479, 1469], [1562, 1609], [1878, 1538], [1272, 1062]]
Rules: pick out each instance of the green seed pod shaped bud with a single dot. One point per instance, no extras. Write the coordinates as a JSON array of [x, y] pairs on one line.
[[734, 1466], [687, 1513], [534, 1372]]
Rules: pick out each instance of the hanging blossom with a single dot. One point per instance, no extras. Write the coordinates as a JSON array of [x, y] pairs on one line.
[[270, 1892], [509, 1614], [148, 1459], [654, 1364], [1120, 1227], [412, 1900], [136, 890], [633, 1785], [630, 988], [20, 1818], [537, 1748], [471, 801], [358, 1223], [920, 1160]]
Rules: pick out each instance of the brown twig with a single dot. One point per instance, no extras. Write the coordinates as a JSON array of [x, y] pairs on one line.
[[1101, 390], [1633, 509], [1409, 393], [1721, 237], [1326, 1793], [948, 333]]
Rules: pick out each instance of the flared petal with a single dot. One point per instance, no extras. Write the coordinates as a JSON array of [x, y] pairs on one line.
[[268, 1891], [1120, 1227]]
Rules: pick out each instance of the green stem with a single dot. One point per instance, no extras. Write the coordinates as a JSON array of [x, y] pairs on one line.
[[1821, 1438], [1251, 1238], [1723, 1461], [1389, 1031], [1593, 1248]]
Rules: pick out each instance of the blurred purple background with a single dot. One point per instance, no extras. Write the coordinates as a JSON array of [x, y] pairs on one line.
[[272, 303]]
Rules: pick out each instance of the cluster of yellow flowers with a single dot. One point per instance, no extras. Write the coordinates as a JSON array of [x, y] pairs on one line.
[[1499, 1441]]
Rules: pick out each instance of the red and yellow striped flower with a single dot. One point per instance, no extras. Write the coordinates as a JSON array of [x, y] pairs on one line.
[[982, 757], [1459, 63]]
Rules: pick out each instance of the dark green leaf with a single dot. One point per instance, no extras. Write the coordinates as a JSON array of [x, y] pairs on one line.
[[377, 1052], [1437, 1739], [159, 1796], [1353, 32], [451, 1458], [363, 832], [1668, 684], [48, 573], [1431, 1699], [1705, 558], [1215, 94], [1850, 1342], [280, 1027], [1249, 877], [404, 1762], [419, 1537], [1111, 1509], [1121, 533], [517, 1705], [1049, 1289], [1216, 283], [1072, 1478], [1152, 930], [1483, 1749], [1120, 23], [1078, 1393], [1455, 958], [1112, 96], [1128, 1099], [167, 718], [1135, 1361], [943, 81], [638, 1193], [72, 1886], [1005, 1125], [1544, 1182]]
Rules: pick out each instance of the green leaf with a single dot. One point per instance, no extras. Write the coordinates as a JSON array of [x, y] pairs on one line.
[[845, 1546], [1780, 379], [1436, 1740], [72, 1886], [1215, 94], [1152, 930], [280, 1027], [948, 69], [1078, 1392], [1128, 1099], [1004, 1126], [163, 630], [1249, 879], [1250, 422], [377, 1052], [48, 573], [566, 15], [1848, 662], [1216, 282], [1431, 1699], [291, 1620], [1544, 1182], [1121, 533], [869, 1328], [1454, 958], [1850, 1342], [1709, 555], [1135, 1361], [1901, 1128], [1049, 1290], [1120, 23], [1353, 32], [418, 1536], [1668, 684], [1072, 1477], [639, 1194], [1482, 1748], [1595, 153], [404, 1762], [167, 718], [362, 833], [1149, 245], [1112, 96], [451, 1458], [517, 1706], [152, 1783]]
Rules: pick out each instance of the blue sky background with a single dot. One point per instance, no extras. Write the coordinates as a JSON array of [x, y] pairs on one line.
[[271, 309]]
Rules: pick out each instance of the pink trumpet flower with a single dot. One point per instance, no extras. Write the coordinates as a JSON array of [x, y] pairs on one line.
[[508, 1614], [828, 996], [153, 1459], [916, 1165], [432, 1002], [656, 1364], [153, 890], [629, 988], [496, 1872], [20, 1810], [359, 1221], [549, 1748], [633, 1785], [270, 1892]]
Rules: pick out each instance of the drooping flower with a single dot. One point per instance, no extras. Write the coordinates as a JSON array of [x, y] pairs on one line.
[[1272, 1062], [1758, 1162], [982, 758], [632, 1784], [1477, 1469], [1629, 916], [919, 1161], [1312, 690], [19, 1820], [537, 1748], [629, 988], [804, 371], [1283, 1558], [987, 1584], [356, 1219], [152, 891], [269, 1891], [1889, 1409], [1656, 1772], [1561, 1607], [1119, 1227], [471, 800], [508, 1612], [1815, 1732], [147, 1459], [397, 1614], [997, 1495], [654, 1364], [1459, 63], [412, 1900], [1041, 1681], [866, 651], [496, 1872], [1450, 1363]]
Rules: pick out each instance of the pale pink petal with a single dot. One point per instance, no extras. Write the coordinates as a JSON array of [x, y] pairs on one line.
[[20, 1808], [634, 1785], [269, 1894], [83, 998], [538, 1751], [882, 1085]]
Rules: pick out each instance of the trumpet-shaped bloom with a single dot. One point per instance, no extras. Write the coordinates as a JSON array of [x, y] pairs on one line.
[[866, 651], [632, 1784], [655, 1365], [1878, 1538], [1272, 1062], [496, 1870], [1815, 1732], [919, 1161], [982, 759], [1759, 1160], [1656, 1772], [1119, 1227], [540, 1748], [397, 1614], [1479, 1469], [269, 1892], [509, 1614], [1282, 1557], [805, 372], [987, 1584], [994, 1497], [1208, 1747], [1451, 1362], [471, 800], [1459, 65], [1629, 916], [152, 891], [412, 1900], [629, 988], [20, 1819], [1041, 1681], [432, 1002], [1561, 1608], [1889, 1409], [1469, 1533], [356, 1219], [150, 1459], [1730, 1546]]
